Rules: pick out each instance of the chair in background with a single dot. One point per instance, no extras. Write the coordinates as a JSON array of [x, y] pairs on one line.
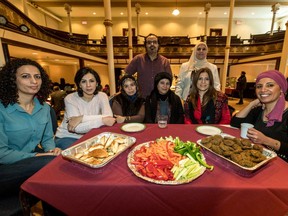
[[54, 119], [231, 109]]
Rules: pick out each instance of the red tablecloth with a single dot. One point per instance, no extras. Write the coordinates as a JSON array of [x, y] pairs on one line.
[[115, 190]]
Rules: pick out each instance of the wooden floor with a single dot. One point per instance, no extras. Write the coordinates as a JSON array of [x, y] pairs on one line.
[[232, 102], [37, 210]]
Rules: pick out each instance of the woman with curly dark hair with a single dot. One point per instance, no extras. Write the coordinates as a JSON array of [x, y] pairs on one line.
[[128, 106], [206, 105], [85, 109], [25, 122]]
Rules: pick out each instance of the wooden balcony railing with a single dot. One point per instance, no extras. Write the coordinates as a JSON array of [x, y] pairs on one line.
[[176, 47]]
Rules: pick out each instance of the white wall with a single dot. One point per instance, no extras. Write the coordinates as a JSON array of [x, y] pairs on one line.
[[251, 69], [57, 71], [37, 16], [168, 26]]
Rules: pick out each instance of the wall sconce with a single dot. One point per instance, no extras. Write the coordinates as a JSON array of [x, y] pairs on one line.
[[176, 12], [3, 20], [24, 28]]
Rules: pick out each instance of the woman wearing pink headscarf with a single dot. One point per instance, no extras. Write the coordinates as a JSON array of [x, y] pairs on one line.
[[268, 113]]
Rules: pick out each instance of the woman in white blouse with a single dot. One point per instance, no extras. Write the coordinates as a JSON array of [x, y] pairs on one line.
[[85, 109], [197, 61]]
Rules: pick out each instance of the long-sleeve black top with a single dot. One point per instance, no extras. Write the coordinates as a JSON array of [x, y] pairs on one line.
[[176, 112], [279, 131]]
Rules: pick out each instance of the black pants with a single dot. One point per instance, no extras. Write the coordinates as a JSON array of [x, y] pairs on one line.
[[11, 178], [241, 95]]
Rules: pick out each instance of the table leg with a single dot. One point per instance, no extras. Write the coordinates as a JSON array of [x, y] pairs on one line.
[[27, 201]]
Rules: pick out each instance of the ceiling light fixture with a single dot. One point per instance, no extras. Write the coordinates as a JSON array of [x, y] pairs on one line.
[[176, 12]]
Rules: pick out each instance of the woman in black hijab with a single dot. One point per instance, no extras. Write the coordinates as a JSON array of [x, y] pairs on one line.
[[163, 101]]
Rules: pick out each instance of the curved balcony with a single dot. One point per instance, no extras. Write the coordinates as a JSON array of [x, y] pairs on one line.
[[176, 50]]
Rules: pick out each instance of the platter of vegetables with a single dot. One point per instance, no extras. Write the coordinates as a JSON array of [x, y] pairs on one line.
[[167, 161]]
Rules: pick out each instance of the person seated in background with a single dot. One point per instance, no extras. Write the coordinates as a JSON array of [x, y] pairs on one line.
[[163, 101], [128, 106], [57, 100], [85, 109], [206, 105], [25, 123], [197, 60], [268, 113], [106, 89]]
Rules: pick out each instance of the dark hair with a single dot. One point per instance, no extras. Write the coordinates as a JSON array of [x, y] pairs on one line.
[[211, 92], [162, 75], [8, 86], [149, 35], [79, 75], [123, 79]]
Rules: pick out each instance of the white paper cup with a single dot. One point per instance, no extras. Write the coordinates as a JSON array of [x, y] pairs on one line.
[[244, 129], [162, 121]]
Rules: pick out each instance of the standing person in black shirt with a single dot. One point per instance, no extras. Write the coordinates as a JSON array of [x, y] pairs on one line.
[[241, 85]]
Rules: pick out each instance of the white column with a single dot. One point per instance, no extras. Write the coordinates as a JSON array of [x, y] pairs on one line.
[[275, 7], [2, 56], [68, 10], [206, 9], [284, 56], [138, 10], [109, 41], [130, 46], [25, 10], [227, 48]]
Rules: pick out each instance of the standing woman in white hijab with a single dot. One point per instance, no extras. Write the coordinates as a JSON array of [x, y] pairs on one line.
[[197, 61]]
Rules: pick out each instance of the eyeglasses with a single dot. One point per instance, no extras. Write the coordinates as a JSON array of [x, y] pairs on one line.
[[154, 42], [199, 49]]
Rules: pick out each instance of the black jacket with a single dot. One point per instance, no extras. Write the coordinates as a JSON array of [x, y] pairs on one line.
[[175, 106]]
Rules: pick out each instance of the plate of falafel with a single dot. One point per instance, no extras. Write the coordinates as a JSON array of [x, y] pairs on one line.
[[239, 154]]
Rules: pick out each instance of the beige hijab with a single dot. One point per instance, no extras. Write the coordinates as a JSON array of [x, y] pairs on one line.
[[194, 63]]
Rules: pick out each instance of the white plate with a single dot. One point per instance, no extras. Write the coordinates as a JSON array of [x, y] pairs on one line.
[[130, 160], [208, 130], [133, 127]]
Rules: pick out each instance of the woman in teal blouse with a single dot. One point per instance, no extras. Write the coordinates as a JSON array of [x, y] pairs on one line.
[[25, 122]]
